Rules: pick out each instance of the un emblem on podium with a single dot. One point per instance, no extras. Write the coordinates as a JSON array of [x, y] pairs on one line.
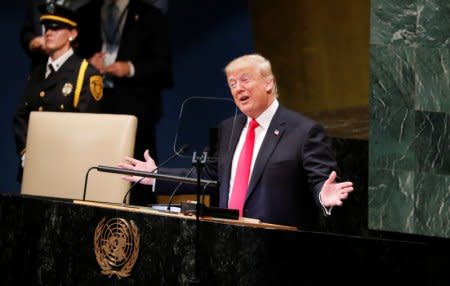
[[116, 246]]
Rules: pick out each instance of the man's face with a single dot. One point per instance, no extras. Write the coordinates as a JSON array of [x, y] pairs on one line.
[[57, 39], [251, 91]]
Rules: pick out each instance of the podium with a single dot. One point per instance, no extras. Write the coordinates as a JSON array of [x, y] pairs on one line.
[[46, 241]]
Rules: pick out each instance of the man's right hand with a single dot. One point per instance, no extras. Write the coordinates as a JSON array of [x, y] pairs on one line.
[[97, 60], [133, 164], [37, 44]]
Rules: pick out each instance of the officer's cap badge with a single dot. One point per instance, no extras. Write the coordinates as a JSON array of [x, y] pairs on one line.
[[51, 8]]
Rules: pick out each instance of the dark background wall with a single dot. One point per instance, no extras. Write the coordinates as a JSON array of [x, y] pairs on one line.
[[204, 34], [13, 74]]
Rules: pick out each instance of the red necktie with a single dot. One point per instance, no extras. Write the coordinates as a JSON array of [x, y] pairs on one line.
[[242, 175]]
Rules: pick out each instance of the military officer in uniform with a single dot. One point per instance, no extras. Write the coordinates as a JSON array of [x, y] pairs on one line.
[[66, 82]]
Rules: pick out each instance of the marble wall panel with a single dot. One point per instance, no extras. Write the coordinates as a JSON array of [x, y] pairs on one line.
[[432, 23], [409, 138], [432, 147], [393, 22], [391, 108], [432, 69], [432, 205], [391, 200]]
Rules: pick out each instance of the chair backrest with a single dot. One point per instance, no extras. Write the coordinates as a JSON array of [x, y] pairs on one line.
[[62, 146]]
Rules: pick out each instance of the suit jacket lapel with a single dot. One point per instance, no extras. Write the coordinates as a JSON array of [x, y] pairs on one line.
[[228, 159], [270, 141], [132, 16]]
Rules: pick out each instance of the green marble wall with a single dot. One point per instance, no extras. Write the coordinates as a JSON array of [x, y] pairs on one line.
[[409, 146]]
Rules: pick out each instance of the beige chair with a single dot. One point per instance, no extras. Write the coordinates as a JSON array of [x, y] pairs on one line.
[[62, 146]]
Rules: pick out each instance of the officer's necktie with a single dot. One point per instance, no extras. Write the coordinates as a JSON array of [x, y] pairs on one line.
[[50, 71], [111, 25], [242, 176]]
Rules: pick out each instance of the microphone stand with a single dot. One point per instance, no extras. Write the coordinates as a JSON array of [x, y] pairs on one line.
[[86, 181], [169, 204], [123, 171], [199, 162]]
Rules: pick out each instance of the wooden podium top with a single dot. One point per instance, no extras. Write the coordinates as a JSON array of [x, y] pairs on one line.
[[242, 221]]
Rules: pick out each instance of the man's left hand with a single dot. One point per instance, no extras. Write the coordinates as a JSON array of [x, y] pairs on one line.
[[118, 69], [332, 193]]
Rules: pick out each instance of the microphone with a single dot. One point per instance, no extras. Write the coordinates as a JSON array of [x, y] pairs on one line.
[[177, 153], [176, 189]]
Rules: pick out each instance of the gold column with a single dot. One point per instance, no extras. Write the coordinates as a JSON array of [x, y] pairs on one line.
[[319, 50]]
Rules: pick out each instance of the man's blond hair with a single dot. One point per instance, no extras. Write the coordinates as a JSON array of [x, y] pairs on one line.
[[263, 65]]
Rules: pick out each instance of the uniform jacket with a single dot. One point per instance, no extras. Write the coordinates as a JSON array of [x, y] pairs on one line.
[[56, 93], [294, 161]]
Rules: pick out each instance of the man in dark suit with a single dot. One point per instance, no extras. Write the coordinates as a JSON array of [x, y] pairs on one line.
[[127, 40], [287, 173], [66, 82]]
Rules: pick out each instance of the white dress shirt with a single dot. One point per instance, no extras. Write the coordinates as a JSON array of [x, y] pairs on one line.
[[56, 64], [260, 132], [111, 53]]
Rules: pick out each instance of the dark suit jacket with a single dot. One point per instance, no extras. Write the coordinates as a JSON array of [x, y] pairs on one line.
[[145, 43], [294, 161], [55, 93]]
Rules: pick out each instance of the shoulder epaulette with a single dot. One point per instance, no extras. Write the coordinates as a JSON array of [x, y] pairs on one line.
[[80, 80]]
